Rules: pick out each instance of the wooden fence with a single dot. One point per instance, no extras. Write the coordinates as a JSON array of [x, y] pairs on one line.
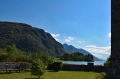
[[14, 66]]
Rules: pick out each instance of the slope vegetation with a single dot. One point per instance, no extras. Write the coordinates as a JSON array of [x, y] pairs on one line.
[[29, 39]]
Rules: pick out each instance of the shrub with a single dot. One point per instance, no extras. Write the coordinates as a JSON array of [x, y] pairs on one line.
[[38, 68], [57, 66], [106, 64], [104, 76]]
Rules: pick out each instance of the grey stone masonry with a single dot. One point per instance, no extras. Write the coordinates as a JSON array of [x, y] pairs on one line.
[[114, 67], [115, 29]]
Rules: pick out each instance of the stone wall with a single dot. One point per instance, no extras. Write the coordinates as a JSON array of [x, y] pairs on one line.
[[72, 67], [114, 68]]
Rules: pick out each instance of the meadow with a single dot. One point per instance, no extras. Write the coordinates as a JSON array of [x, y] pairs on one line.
[[50, 75]]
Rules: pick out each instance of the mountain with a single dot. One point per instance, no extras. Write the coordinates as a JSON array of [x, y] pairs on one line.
[[29, 39], [71, 49]]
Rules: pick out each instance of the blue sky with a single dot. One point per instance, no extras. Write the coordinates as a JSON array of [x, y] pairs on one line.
[[82, 23]]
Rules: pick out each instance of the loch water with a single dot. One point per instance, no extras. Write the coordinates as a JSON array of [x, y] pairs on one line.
[[83, 62]]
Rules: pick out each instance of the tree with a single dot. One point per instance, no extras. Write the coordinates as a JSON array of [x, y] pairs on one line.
[[77, 56], [107, 62], [11, 49], [33, 56], [89, 58], [11, 52], [22, 58], [38, 68], [42, 56]]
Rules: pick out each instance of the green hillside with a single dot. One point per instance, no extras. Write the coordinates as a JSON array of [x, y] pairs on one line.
[[29, 39]]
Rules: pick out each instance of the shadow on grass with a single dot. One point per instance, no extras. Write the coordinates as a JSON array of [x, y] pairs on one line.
[[33, 78], [21, 71], [50, 71], [4, 72], [24, 71], [27, 70]]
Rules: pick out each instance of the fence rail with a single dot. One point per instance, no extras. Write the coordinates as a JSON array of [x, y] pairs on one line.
[[14, 66]]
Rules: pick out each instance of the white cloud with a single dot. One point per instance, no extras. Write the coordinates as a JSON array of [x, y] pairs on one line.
[[109, 34], [56, 39], [81, 41], [90, 46], [46, 31], [68, 39], [55, 36], [99, 50]]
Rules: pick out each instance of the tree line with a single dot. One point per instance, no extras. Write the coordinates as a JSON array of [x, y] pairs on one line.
[[77, 56], [12, 54]]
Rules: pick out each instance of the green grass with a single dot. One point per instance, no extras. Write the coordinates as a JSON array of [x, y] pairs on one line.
[[14, 75], [51, 75]]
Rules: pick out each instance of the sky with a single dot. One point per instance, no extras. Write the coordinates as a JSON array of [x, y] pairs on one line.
[[82, 23]]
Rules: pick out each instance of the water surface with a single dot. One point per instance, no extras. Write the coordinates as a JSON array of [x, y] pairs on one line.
[[83, 62]]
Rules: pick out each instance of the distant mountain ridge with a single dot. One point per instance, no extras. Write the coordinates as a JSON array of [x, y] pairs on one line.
[[71, 49], [29, 39]]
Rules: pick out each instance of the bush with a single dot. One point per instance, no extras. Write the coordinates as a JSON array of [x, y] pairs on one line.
[[104, 76], [106, 64], [3, 57], [57, 66], [38, 68], [22, 58]]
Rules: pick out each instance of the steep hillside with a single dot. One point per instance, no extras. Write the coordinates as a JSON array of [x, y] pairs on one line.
[[71, 49], [28, 38]]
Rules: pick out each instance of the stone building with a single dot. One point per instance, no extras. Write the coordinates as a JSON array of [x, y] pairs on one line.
[[114, 68]]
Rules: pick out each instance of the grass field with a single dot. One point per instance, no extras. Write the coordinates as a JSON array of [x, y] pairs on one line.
[[51, 75]]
